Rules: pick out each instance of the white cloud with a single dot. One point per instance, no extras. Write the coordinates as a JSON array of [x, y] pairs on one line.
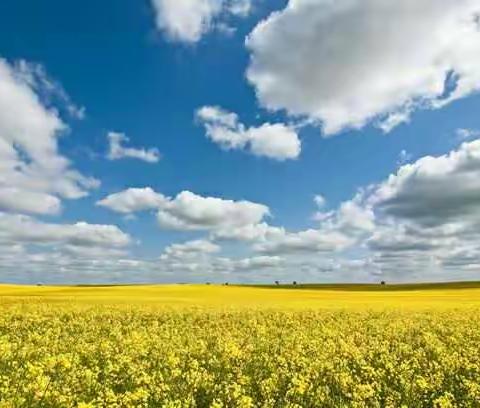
[[339, 230], [199, 258], [33, 174], [118, 151], [426, 217], [220, 268], [403, 158], [133, 200], [352, 217], [420, 223], [188, 211], [50, 90], [321, 215], [17, 200], [467, 134], [434, 190], [320, 201], [188, 250], [276, 141], [349, 62], [18, 229], [397, 238], [72, 265], [254, 263], [93, 252], [394, 119], [250, 232], [311, 240], [188, 20]]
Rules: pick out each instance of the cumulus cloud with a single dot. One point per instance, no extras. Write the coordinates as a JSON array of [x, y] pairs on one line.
[[23, 201], [276, 141], [434, 190], [419, 223], [352, 217], [339, 229], [350, 62], [188, 211], [399, 238], [254, 263], [188, 20], [249, 233], [82, 265], [17, 229], [422, 222], [34, 176], [188, 250], [426, 216], [35, 251], [201, 258], [133, 200], [311, 240], [92, 252], [118, 151], [207, 267]]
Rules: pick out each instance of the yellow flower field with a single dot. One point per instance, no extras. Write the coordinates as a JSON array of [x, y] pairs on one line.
[[216, 346]]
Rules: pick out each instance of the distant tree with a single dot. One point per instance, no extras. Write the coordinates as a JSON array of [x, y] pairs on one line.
[[226, 283], [383, 283], [277, 283], [207, 283], [294, 282]]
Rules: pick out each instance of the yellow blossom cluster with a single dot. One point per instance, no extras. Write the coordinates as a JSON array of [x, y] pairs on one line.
[[145, 356]]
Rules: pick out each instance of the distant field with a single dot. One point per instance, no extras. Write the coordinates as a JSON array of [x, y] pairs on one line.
[[413, 296], [360, 287]]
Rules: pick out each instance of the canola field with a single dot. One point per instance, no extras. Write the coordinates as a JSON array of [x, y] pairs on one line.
[[229, 346]]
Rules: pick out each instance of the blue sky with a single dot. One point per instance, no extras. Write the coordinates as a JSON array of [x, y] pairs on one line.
[[296, 110]]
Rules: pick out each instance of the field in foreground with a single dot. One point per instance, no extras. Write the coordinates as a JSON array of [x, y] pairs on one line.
[[199, 346]]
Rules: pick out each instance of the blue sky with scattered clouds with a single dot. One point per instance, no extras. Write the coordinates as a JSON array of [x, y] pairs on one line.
[[239, 140]]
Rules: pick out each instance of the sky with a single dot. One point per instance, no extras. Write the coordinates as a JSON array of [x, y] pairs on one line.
[[239, 141]]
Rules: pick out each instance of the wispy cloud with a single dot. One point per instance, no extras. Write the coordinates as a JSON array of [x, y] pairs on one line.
[[118, 151]]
